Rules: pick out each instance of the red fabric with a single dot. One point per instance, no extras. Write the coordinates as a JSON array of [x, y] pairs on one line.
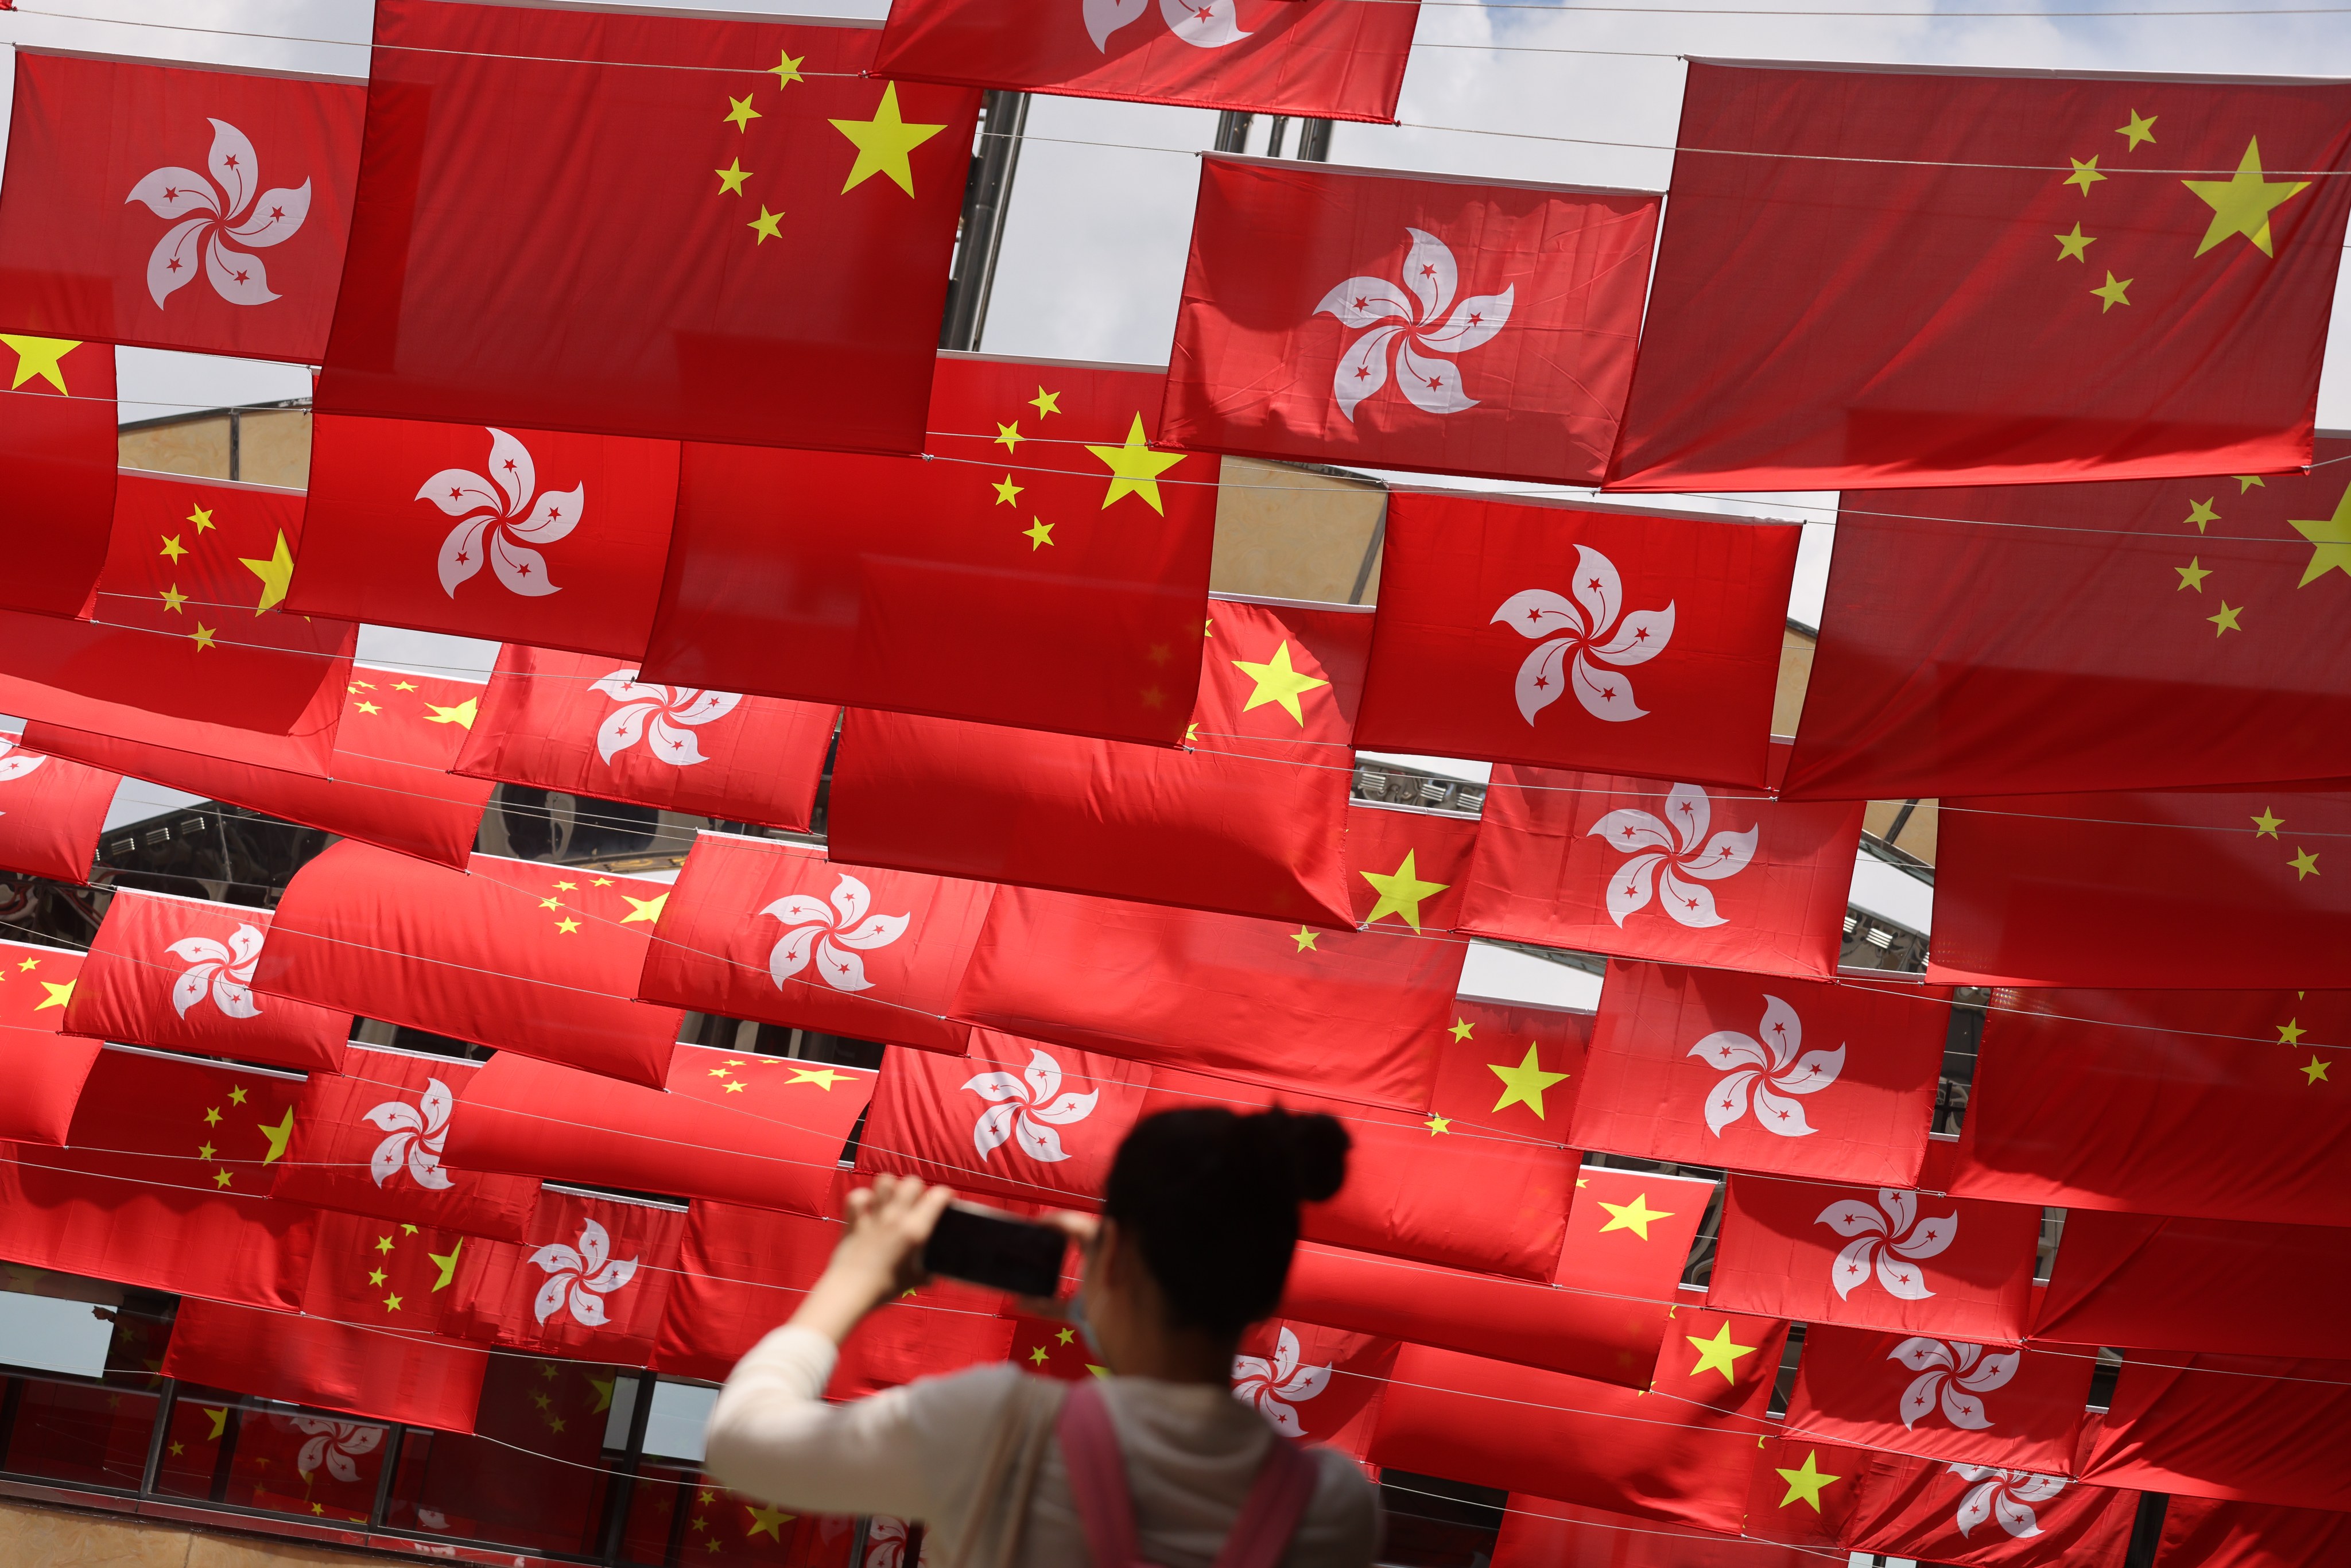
[[762, 1130], [1975, 1516], [371, 1141], [1884, 1258], [1014, 1119], [1316, 1383], [404, 516], [1460, 328], [118, 177], [588, 1281], [370, 1272], [1067, 1356], [51, 813], [1991, 1405], [469, 309], [2145, 1282], [2203, 1532], [759, 929], [741, 1271], [1629, 1238], [2237, 1427], [2210, 1104], [332, 1366], [1619, 865], [2202, 888], [401, 733], [1305, 58], [41, 1074], [1248, 820], [59, 444], [1482, 1079], [1537, 1533], [125, 1202], [174, 972], [1690, 1361], [1980, 641], [1646, 644], [1909, 339], [1354, 1013], [187, 649], [944, 1327], [517, 955], [973, 576], [1804, 1492], [1384, 887]]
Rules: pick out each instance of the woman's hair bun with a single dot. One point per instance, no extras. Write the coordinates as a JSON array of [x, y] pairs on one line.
[[1318, 1149]]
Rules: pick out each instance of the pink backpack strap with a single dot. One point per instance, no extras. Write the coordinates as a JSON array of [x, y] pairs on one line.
[[1098, 1477], [1275, 1502]]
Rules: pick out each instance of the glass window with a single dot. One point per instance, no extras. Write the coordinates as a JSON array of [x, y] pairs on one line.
[[266, 1454], [91, 1432], [534, 1471], [679, 1519]]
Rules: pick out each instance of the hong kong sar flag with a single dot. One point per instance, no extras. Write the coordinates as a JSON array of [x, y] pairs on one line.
[[1942, 1399], [58, 438], [587, 1281], [1914, 251], [808, 213], [1350, 315], [1981, 1516]]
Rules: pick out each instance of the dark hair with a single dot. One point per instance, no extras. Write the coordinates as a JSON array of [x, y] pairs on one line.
[[1211, 1198]]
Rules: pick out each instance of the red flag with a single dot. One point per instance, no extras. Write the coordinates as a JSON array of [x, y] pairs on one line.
[[1356, 1013], [2032, 638], [1720, 1360], [2152, 1283], [473, 314], [1648, 869], [41, 1074], [1315, 1384], [2210, 1104], [576, 723], [1942, 1399], [2240, 1428], [1976, 1516], [373, 1140], [1801, 1078], [1628, 1237], [2201, 887], [2201, 1532], [333, 1366], [944, 1327], [1013, 1119], [1485, 1082], [59, 444], [404, 515], [1325, 59], [177, 972], [1804, 1492], [52, 811], [759, 929], [190, 208], [588, 1281], [763, 1130], [1537, 1533], [1910, 339], [1408, 866], [1505, 315], [399, 733], [367, 1272], [189, 647], [517, 955], [740, 1272], [1248, 820]]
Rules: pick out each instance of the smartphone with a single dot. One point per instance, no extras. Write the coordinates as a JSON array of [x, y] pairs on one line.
[[985, 1247]]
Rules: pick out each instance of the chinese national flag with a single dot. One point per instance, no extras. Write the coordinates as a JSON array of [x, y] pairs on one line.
[[1628, 1237], [1647, 869], [945, 1326], [373, 1140], [1939, 1399], [470, 276], [374, 1272], [1434, 324], [1408, 866], [1803, 1492], [1538, 1533], [2237, 1427], [399, 733], [1720, 1360], [361, 1371], [516, 954], [1249, 817], [1307, 57], [59, 442], [578, 723], [2204, 1533], [189, 646], [2034, 638], [1917, 254], [2197, 887], [1800, 1078], [1062, 584], [41, 1073], [1485, 1080], [762, 1130], [2147, 1282], [1314, 1383], [2211, 1105], [404, 516], [175, 207], [1354, 1013], [588, 1281], [740, 1272], [1048, 1347], [1977, 1516], [52, 811], [760, 929]]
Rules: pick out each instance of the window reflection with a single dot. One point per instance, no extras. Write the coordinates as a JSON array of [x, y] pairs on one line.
[[535, 1471], [281, 1458], [91, 1433], [680, 1519]]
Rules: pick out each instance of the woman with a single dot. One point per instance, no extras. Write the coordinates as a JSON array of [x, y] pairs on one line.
[[1010, 1471]]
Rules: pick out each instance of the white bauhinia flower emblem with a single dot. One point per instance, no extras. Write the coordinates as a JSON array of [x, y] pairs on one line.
[[15, 762], [222, 969], [885, 1544], [1278, 1386], [2007, 1496], [1952, 1374], [1208, 25], [1579, 629], [581, 1277], [418, 1132], [1413, 321], [335, 1444], [1892, 1234], [668, 713], [1669, 853], [207, 213], [833, 936], [1029, 1107], [500, 520], [1778, 1060]]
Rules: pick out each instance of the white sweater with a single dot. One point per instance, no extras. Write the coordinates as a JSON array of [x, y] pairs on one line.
[[970, 1456]]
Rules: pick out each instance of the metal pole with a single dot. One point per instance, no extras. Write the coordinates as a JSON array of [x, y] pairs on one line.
[[1274, 133], [624, 1478], [1232, 132], [1314, 142], [164, 1399], [392, 1436], [986, 202], [236, 443]]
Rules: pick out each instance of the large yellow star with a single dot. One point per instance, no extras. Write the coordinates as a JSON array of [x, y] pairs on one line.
[[2139, 130], [1277, 682], [447, 1264], [2330, 540], [1135, 468], [1524, 1085], [2075, 244], [645, 909], [2113, 292], [39, 357], [883, 143], [275, 574], [1633, 1217], [1401, 892], [767, 1521], [2242, 203], [1806, 1483], [277, 1137], [463, 714], [1719, 1352], [823, 1078], [61, 993]]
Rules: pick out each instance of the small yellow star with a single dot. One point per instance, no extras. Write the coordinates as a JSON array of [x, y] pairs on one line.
[[2291, 1032], [731, 178], [1719, 1352], [1401, 892], [2138, 129], [2247, 481], [768, 225], [2315, 1073], [202, 517], [403, 686], [1461, 1029], [647, 910], [172, 547], [567, 887], [1278, 681], [740, 114], [177, 1450], [1438, 1125], [884, 143], [786, 70], [220, 1178], [1135, 468], [2075, 244], [601, 882], [1633, 1217], [1191, 732], [2083, 174], [1305, 939], [2227, 620], [568, 925], [408, 1230], [1806, 1483], [2266, 826], [204, 1150], [201, 636], [1038, 533], [2304, 864], [720, 1073], [2193, 574], [2201, 512], [1008, 436], [550, 902], [1037, 1356], [384, 1243], [461, 715], [1046, 403], [236, 1095], [367, 708], [1008, 494], [1066, 1335], [2113, 292], [2242, 203], [377, 1276], [735, 1088], [211, 1116]]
